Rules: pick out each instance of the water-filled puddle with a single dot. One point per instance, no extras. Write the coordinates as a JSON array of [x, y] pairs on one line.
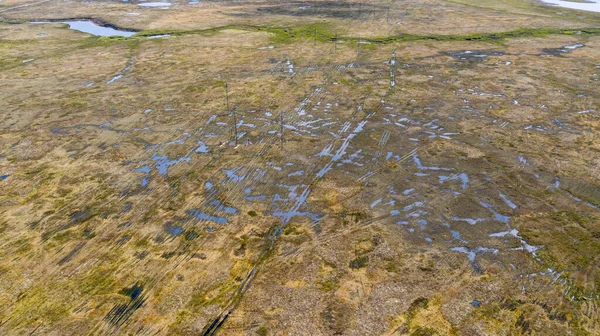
[[146, 170], [473, 55], [204, 216], [562, 50], [158, 36], [154, 4], [173, 230]]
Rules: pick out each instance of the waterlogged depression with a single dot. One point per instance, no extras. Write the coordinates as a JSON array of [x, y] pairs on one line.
[[413, 202], [282, 189]]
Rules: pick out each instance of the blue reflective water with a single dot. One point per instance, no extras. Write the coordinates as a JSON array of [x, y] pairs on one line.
[[589, 5], [90, 27], [204, 216]]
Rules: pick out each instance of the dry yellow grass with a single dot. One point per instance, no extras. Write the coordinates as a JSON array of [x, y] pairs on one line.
[[126, 207]]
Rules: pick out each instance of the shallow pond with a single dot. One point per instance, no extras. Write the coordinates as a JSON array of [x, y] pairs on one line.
[[89, 27], [589, 5]]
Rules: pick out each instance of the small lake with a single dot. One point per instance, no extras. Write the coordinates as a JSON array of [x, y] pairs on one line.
[[89, 27], [588, 5]]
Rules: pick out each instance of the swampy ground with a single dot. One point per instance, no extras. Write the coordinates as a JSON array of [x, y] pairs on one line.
[[300, 168]]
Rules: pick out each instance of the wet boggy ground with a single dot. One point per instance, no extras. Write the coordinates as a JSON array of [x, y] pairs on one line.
[[245, 181]]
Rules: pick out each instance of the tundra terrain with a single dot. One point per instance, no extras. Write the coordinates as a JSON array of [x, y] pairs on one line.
[[311, 167]]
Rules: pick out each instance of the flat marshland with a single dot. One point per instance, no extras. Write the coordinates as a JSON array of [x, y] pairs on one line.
[[299, 168]]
